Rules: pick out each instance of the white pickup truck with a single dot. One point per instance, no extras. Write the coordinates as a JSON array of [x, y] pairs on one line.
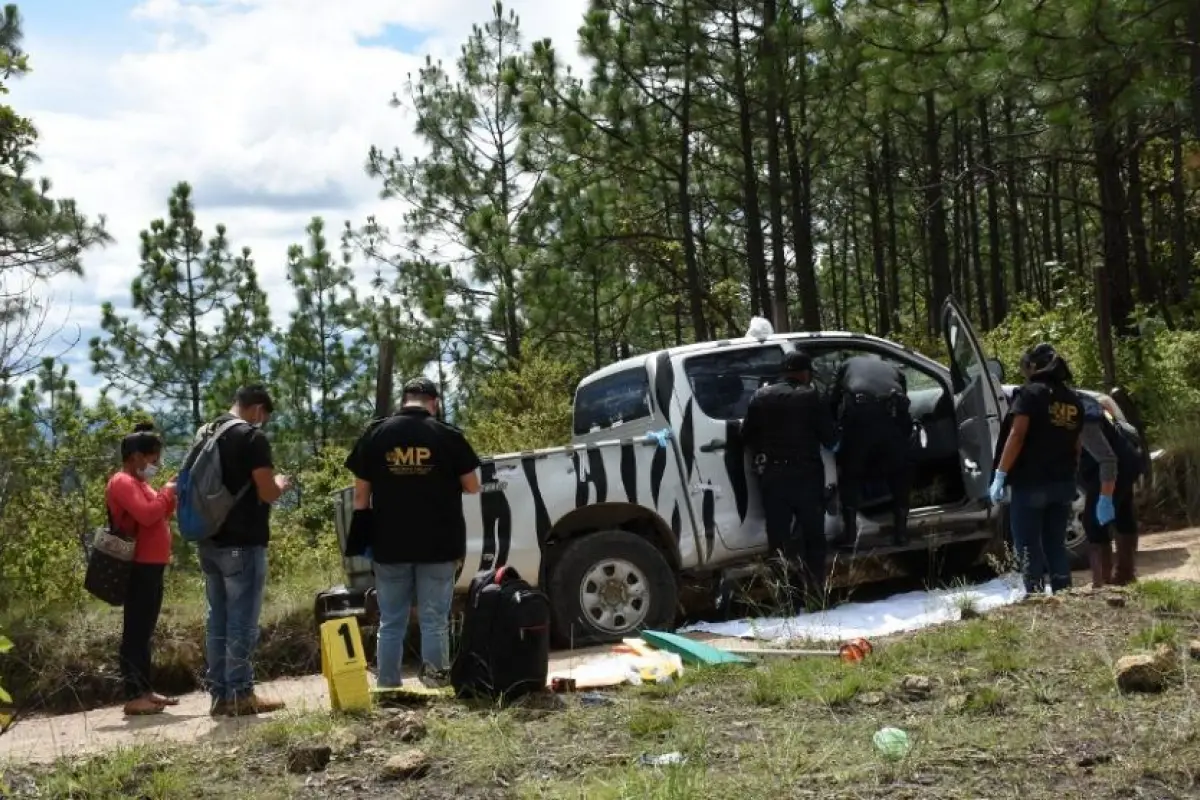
[[656, 488]]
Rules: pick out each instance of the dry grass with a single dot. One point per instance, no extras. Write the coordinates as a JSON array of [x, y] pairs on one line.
[[1022, 703], [65, 662]]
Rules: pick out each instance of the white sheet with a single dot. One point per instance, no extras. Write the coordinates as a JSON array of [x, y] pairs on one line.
[[895, 614]]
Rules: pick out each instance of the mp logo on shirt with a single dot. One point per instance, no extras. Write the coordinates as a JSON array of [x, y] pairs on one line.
[[1064, 415], [409, 460]]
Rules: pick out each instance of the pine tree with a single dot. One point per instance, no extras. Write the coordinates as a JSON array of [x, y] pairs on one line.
[[468, 245], [321, 354], [174, 344], [40, 237], [50, 400]]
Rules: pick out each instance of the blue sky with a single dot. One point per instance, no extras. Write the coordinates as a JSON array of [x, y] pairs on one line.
[[267, 107]]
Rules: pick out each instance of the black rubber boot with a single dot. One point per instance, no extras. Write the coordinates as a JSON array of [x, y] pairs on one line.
[[849, 533], [900, 527]]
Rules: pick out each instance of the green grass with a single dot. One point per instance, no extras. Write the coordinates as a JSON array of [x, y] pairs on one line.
[[1168, 597], [1018, 702]]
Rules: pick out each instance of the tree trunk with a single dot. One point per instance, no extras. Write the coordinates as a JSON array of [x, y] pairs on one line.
[[1180, 256], [1147, 285], [691, 261], [760, 294], [774, 178], [995, 263], [884, 317], [958, 239], [1056, 214], [939, 272], [889, 191], [799, 156], [1193, 38], [1014, 212], [1107, 152], [974, 236]]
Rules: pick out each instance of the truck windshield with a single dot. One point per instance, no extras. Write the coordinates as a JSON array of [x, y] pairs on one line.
[[614, 399]]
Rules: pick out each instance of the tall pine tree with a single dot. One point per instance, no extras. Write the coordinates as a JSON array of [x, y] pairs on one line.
[[322, 353], [169, 350]]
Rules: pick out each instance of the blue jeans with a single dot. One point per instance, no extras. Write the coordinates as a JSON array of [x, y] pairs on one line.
[[395, 586], [1040, 516], [234, 579]]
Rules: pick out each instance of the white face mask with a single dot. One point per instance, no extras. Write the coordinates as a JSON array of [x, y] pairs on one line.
[[149, 471]]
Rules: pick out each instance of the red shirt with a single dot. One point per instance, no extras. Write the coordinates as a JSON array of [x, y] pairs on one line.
[[142, 513]]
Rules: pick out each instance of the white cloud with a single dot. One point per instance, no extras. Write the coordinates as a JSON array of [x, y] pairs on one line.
[[251, 98]]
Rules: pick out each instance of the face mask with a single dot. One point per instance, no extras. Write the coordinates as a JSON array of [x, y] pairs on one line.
[[149, 471]]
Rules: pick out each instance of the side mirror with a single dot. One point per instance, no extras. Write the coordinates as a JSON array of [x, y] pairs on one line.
[[996, 368]]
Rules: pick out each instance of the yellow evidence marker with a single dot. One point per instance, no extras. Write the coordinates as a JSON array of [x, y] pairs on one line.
[[344, 665]]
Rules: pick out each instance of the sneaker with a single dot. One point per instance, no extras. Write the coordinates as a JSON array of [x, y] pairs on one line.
[[251, 704], [434, 678]]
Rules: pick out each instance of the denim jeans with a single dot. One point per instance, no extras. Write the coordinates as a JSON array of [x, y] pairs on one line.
[[395, 586], [234, 580], [1040, 516]]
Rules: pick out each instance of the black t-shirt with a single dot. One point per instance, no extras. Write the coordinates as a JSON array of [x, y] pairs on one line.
[[415, 464], [244, 449], [789, 421], [1051, 450]]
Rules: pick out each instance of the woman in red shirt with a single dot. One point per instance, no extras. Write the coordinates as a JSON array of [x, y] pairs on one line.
[[140, 512]]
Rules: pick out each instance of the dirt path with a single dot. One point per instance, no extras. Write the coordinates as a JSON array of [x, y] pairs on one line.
[[1174, 556]]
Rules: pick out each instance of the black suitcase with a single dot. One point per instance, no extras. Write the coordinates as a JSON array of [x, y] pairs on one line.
[[504, 652]]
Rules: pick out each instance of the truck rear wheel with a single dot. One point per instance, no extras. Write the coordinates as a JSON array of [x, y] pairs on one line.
[[609, 585]]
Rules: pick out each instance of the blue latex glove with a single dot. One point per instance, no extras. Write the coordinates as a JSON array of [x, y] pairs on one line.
[[836, 446], [369, 554], [996, 490], [1105, 512]]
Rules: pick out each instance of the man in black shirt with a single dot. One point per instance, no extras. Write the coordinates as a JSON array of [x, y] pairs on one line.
[[411, 471], [785, 428], [234, 561], [870, 397]]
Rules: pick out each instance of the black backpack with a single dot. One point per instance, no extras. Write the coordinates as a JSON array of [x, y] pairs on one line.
[[504, 652], [1123, 438]]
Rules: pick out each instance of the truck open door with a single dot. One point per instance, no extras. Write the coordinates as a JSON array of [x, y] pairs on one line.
[[979, 405]]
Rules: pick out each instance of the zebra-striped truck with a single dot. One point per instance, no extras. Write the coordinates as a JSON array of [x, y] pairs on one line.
[[656, 491]]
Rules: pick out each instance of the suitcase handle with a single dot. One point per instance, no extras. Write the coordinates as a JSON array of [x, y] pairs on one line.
[[499, 575]]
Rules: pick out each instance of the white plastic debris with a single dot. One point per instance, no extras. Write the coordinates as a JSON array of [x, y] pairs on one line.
[[760, 328]]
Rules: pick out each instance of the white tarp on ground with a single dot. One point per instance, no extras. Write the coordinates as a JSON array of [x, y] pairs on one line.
[[901, 612]]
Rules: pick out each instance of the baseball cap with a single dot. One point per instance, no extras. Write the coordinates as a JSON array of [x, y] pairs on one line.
[[422, 387], [1039, 356], [797, 361]]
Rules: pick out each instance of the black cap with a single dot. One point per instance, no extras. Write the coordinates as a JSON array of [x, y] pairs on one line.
[[421, 387], [1039, 356], [797, 361]]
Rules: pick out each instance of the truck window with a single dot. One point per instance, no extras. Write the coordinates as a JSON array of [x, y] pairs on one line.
[[826, 363], [614, 399], [723, 382]]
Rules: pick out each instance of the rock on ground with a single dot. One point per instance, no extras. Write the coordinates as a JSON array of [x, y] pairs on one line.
[[1147, 672], [410, 764], [406, 726]]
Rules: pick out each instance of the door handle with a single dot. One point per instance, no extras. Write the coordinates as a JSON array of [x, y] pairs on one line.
[[713, 446]]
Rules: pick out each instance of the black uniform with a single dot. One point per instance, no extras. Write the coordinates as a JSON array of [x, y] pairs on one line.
[[870, 398], [785, 427]]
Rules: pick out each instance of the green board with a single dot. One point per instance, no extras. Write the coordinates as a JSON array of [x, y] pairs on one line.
[[691, 651]]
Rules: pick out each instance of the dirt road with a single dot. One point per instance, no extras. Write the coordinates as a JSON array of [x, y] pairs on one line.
[[1174, 556]]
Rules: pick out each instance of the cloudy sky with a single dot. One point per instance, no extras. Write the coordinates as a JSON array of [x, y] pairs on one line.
[[267, 107]]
